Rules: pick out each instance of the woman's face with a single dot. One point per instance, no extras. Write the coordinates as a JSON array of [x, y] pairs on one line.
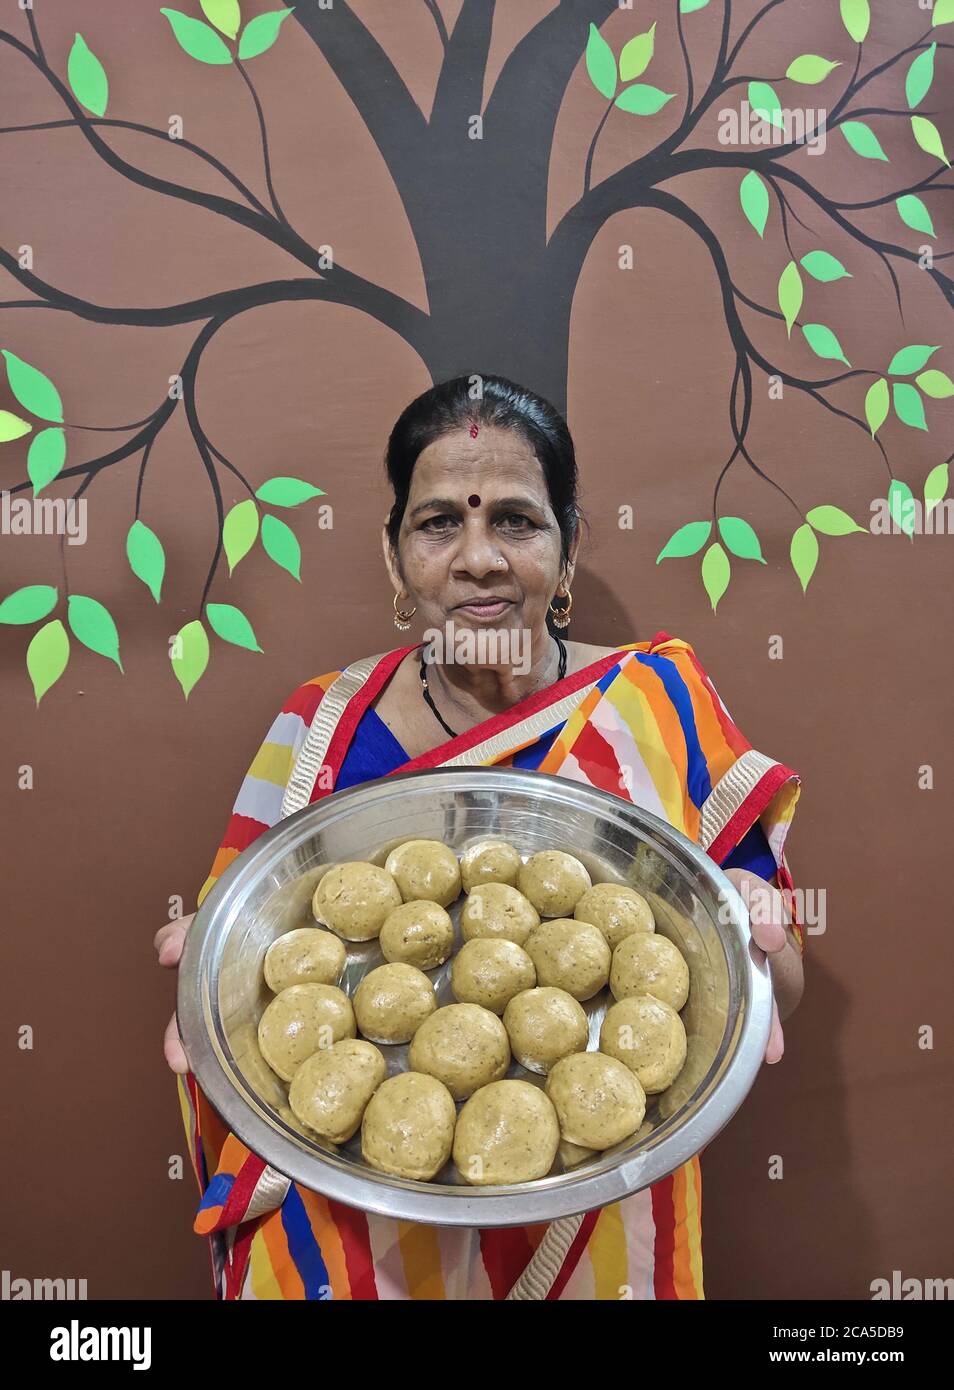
[[479, 543]]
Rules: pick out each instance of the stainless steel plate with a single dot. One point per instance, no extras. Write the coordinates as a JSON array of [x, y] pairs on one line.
[[267, 891]]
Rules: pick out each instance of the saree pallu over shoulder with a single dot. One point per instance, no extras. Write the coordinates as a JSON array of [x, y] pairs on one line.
[[644, 723]]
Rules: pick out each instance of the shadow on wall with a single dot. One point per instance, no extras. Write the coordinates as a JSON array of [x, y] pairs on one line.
[[598, 615], [780, 1119]]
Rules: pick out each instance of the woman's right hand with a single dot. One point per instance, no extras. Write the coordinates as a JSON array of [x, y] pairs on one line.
[[169, 941]]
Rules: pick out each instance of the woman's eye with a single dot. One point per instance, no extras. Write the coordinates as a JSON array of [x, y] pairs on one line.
[[517, 522], [437, 523]]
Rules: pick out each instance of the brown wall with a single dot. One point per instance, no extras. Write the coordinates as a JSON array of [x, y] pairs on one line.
[[132, 786]]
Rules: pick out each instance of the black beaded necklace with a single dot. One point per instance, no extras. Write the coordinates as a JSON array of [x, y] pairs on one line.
[[429, 699]]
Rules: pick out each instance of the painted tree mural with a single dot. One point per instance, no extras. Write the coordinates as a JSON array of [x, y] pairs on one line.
[[754, 128]]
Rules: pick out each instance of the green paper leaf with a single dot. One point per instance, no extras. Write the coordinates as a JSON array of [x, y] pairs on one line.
[[686, 541], [901, 506], [93, 625], [908, 405], [716, 573], [862, 140], [877, 405], [920, 76], [281, 545], [643, 100], [831, 521], [190, 655], [147, 559], [199, 40], [911, 359], [261, 32], [287, 492], [239, 531], [224, 14], [28, 605], [823, 342], [637, 55], [754, 197], [12, 427], [34, 391], [791, 293], [804, 554], [928, 137], [914, 214], [937, 385], [764, 101], [46, 657], [740, 538], [943, 12], [690, 6], [935, 486], [46, 457], [856, 17], [810, 69], [87, 77], [231, 624], [600, 63], [822, 266]]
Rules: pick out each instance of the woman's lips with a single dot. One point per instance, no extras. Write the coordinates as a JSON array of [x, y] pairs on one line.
[[485, 608]]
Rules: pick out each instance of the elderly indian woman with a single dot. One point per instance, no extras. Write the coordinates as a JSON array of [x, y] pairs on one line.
[[484, 535]]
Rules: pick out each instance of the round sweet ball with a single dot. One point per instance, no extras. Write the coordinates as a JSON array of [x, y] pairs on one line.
[[618, 911], [299, 1021], [496, 909], [572, 1154], [408, 1127], [490, 861], [554, 882], [305, 956], [392, 1002], [425, 869], [489, 971], [293, 1122], [354, 900], [598, 1101], [647, 1036], [507, 1132], [330, 1090], [570, 955], [544, 1025], [463, 1046], [644, 964], [418, 933]]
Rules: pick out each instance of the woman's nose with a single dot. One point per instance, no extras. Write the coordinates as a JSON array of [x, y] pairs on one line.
[[478, 553]]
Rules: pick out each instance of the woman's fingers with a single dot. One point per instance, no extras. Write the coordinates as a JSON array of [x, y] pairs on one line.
[[170, 939], [776, 1042], [766, 907], [767, 916], [172, 1048]]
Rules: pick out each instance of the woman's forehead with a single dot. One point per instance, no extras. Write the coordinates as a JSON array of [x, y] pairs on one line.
[[496, 461]]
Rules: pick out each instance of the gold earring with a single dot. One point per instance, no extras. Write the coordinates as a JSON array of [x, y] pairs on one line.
[[561, 616], [402, 618]]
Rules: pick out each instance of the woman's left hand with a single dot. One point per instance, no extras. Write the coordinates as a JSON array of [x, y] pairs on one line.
[[768, 919]]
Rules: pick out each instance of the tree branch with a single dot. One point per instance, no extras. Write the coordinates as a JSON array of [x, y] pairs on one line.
[[394, 120], [157, 134], [263, 132], [460, 84], [740, 339]]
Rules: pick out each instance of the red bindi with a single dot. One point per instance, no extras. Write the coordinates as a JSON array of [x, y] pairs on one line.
[[473, 500], [473, 431]]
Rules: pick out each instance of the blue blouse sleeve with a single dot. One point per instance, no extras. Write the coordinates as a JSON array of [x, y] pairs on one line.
[[753, 853]]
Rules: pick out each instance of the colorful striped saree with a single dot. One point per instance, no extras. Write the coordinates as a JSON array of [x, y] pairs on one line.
[[644, 723]]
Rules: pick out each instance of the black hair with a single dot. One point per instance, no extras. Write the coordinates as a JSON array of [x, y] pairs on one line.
[[485, 400]]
